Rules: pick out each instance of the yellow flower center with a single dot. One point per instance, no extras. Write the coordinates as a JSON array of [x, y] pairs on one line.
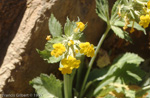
[[71, 42]]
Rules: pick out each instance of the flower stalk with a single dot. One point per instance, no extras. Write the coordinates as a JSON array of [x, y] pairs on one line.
[[67, 86], [68, 79], [92, 60]]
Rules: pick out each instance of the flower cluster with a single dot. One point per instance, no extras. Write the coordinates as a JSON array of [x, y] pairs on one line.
[[69, 48], [59, 49], [145, 19], [69, 64], [135, 11], [87, 49]]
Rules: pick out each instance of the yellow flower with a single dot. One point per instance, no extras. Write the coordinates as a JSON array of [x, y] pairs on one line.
[[71, 42], [48, 37], [87, 49], [58, 50], [80, 26], [148, 4], [66, 70], [69, 64], [144, 21]]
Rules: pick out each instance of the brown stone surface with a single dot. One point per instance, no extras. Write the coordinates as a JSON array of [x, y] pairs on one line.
[[21, 62], [11, 13]]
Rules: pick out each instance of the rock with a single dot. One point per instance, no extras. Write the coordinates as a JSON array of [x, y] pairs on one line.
[[21, 62], [11, 13]]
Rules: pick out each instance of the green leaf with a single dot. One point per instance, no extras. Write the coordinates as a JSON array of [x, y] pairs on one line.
[[134, 75], [77, 36], [105, 82], [49, 46], [115, 10], [131, 73], [125, 69], [47, 86], [106, 91], [128, 57], [92, 79], [54, 59], [109, 96], [69, 27], [119, 23], [44, 54], [56, 40], [102, 9], [55, 27], [118, 32], [146, 80], [97, 73], [136, 25], [121, 34], [120, 61], [115, 7], [119, 89], [130, 93]]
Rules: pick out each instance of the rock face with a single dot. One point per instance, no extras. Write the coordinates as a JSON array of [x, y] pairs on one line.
[[21, 59], [27, 27], [11, 13], [24, 27]]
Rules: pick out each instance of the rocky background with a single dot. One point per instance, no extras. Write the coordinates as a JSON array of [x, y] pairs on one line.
[[24, 27]]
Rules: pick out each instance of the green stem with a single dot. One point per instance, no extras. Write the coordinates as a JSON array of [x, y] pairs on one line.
[[92, 60], [67, 86], [80, 73], [68, 79]]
